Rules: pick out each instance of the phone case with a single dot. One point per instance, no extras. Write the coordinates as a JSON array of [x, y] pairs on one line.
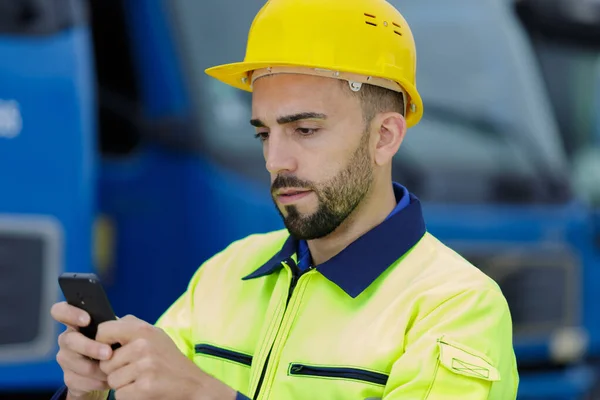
[[85, 291]]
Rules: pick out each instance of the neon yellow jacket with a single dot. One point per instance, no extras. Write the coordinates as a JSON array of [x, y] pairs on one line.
[[395, 316]]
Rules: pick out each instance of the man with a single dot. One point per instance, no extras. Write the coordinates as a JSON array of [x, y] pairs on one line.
[[354, 300]]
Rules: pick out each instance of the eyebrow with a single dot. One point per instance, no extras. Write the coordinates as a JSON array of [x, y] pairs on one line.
[[287, 119]]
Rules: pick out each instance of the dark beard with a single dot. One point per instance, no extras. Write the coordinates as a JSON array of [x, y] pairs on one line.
[[338, 197]]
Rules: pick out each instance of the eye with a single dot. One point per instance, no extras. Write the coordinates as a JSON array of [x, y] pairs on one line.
[[306, 131], [262, 136]]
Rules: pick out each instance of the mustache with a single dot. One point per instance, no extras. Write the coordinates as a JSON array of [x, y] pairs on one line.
[[284, 181]]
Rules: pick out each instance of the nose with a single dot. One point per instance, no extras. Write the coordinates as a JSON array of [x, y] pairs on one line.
[[279, 154]]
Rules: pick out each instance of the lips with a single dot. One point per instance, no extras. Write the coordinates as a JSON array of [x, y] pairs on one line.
[[288, 196]]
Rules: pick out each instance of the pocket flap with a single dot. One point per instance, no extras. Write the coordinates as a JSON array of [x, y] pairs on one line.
[[465, 361]]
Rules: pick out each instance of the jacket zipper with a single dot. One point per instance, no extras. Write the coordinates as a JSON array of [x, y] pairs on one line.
[[339, 372], [223, 353], [295, 276]]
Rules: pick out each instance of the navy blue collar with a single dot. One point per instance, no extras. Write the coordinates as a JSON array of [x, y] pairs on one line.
[[363, 261]]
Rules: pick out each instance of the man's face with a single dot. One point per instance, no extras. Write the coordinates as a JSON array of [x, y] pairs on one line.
[[316, 150]]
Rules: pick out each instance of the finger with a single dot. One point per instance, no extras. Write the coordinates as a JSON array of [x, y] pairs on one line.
[[78, 383], [71, 361], [123, 376], [69, 315], [78, 343], [121, 331], [123, 356], [129, 392]]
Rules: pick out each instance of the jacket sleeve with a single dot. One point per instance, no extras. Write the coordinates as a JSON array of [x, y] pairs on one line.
[[176, 322], [61, 394], [462, 349]]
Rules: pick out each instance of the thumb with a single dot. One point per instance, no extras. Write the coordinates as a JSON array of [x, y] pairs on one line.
[[121, 331]]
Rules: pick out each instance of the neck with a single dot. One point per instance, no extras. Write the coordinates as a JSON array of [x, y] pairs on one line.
[[373, 210]]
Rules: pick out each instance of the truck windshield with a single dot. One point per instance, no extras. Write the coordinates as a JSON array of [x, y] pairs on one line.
[[571, 70], [488, 133]]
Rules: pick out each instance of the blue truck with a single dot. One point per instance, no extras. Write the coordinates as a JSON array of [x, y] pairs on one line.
[[120, 156], [565, 37]]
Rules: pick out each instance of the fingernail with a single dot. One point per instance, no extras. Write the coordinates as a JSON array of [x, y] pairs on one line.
[[83, 319], [104, 353]]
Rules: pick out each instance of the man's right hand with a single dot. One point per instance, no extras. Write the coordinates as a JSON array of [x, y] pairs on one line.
[[77, 355]]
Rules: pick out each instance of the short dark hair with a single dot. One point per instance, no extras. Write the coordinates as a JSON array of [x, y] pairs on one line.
[[376, 99]]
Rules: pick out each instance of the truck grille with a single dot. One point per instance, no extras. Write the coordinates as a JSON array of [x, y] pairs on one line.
[[541, 284], [29, 266], [21, 273]]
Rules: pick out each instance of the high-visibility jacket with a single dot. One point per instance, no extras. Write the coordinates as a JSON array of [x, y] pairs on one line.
[[396, 315]]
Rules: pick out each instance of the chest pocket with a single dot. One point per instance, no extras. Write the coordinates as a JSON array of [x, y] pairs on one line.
[[337, 382], [227, 365]]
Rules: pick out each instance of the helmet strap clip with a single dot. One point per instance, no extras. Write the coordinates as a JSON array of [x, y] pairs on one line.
[[355, 86]]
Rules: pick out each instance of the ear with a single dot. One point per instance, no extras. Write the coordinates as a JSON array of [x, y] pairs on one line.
[[390, 130]]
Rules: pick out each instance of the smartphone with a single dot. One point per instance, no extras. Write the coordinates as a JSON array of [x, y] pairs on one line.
[[85, 291]]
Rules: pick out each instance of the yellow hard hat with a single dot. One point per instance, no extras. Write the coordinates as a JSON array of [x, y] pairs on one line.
[[362, 41]]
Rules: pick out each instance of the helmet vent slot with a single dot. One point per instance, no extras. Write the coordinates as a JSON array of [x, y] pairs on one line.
[[370, 22], [396, 25], [397, 33]]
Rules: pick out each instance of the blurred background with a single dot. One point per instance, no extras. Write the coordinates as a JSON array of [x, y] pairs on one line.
[[119, 156]]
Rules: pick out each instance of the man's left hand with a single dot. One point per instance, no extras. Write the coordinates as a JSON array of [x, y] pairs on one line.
[[150, 366]]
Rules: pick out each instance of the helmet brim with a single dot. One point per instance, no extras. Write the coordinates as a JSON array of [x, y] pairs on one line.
[[237, 75]]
